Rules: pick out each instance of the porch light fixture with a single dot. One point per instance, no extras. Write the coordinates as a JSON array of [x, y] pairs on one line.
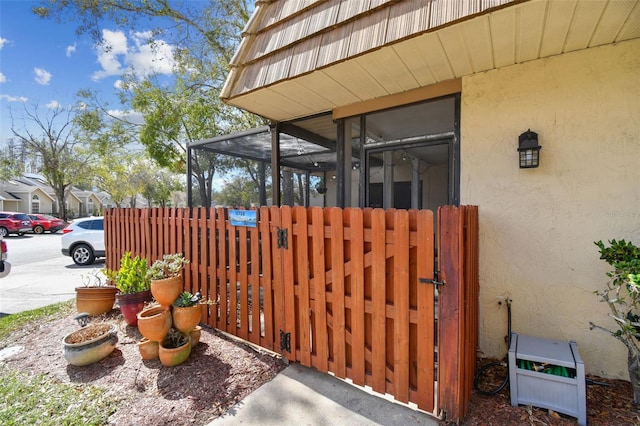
[[529, 150]]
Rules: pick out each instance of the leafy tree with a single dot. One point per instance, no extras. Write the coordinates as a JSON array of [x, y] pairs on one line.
[[205, 38], [12, 161], [57, 146]]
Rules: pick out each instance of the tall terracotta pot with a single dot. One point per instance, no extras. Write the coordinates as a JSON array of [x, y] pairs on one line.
[[186, 318], [166, 290], [95, 300], [131, 304], [154, 322]]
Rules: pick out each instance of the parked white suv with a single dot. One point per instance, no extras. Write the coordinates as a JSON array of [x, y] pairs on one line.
[[83, 240]]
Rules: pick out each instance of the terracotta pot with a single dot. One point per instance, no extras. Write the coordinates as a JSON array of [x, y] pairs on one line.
[[90, 344], [154, 322], [95, 300], [185, 319], [148, 349], [167, 290], [131, 304], [170, 357], [195, 335]]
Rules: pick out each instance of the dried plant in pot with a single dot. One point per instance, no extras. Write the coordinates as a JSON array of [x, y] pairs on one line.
[[622, 294], [95, 297], [175, 348], [166, 278], [89, 344]]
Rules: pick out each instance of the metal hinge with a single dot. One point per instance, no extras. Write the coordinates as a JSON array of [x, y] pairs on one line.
[[435, 281], [283, 240], [285, 341]]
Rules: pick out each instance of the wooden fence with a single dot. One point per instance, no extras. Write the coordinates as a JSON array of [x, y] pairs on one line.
[[348, 291]]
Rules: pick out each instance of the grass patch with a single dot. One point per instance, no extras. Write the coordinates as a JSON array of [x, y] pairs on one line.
[[41, 400], [13, 322]]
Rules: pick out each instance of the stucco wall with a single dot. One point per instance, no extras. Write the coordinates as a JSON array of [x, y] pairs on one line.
[[537, 226]]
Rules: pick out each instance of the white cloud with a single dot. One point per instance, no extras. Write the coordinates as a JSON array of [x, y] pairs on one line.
[[3, 41], [71, 50], [3, 79], [43, 77], [116, 56], [133, 117], [13, 98], [53, 105]]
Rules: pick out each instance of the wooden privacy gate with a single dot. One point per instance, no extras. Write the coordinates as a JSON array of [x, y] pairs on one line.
[[353, 292]]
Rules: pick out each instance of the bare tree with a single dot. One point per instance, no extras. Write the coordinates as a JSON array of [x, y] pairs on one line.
[[53, 140]]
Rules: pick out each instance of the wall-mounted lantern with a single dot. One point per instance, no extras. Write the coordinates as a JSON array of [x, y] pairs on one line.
[[529, 150]]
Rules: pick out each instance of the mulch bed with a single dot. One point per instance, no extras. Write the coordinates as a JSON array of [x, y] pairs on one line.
[[219, 373], [222, 371]]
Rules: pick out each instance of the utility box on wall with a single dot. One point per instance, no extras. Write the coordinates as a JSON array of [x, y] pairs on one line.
[[547, 374]]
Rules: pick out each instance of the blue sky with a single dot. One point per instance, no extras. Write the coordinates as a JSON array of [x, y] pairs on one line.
[[45, 64]]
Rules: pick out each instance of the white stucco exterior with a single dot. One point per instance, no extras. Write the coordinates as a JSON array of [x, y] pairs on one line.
[[538, 226]]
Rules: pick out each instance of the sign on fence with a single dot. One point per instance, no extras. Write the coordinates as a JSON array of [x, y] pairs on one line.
[[243, 218]]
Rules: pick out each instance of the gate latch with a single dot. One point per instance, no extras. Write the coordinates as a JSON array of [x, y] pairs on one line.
[[283, 240], [435, 281], [285, 341]]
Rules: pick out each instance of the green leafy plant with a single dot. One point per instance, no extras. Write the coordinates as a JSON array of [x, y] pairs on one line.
[[170, 265], [132, 276], [622, 294], [186, 299]]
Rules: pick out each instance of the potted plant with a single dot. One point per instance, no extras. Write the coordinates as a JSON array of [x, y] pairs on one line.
[[166, 278], [175, 348], [186, 311], [91, 343], [622, 294], [133, 284], [95, 297]]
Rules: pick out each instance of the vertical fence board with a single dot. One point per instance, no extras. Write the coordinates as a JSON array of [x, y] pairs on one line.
[[321, 346], [267, 277], [254, 279], [449, 370], [277, 282], [288, 288], [243, 278], [401, 304], [222, 271], [379, 301], [302, 261], [337, 292], [357, 296], [425, 326]]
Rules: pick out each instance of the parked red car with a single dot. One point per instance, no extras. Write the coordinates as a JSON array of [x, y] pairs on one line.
[[14, 223], [45, 222]]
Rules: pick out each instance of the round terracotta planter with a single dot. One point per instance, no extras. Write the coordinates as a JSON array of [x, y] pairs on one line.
[[196, 333], [95, 300], [131, 304], [185, 319], [167, 290], [154, 322], [90, 344], [170, 357], [148, 349]]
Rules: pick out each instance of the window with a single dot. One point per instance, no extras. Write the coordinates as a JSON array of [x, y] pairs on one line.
[[35, 204]]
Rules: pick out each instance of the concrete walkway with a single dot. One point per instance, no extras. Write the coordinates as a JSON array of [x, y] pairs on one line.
[[304, 396]]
